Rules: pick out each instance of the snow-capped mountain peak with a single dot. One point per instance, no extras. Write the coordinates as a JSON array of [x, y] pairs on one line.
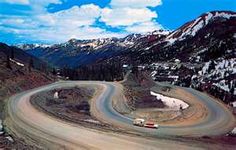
[[193, 27], [32, 46]]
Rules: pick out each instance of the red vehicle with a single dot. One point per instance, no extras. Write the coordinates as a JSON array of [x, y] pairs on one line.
[[151, 125]]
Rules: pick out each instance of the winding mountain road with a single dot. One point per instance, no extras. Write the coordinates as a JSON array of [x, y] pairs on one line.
[[34, 126], [218, 122]]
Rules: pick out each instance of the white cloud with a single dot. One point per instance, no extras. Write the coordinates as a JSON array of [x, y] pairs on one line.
[[18, 22], [39, 6], [77, 16], [32, 2], [56, 27], [23, 2], [131, 16], [58, 35], [126, 16], [71, 18], [12, 21], [135, 3], [144, 27]]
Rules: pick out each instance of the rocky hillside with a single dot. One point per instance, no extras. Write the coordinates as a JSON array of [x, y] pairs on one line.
[[210, 36], [18, 71], [16, 76]]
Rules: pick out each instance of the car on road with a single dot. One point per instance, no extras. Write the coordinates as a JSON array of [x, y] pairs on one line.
[[142, 123], [138, 122], [151, 125]]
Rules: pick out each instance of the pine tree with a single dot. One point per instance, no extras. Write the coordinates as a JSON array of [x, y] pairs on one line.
[[12, 54], [31, 64], [54, 71], [8, 63]]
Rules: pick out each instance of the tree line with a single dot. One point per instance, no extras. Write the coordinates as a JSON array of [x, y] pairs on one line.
[[103, 71], [30, 63]]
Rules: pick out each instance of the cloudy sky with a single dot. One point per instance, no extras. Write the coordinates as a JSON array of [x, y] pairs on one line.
[[55, 21]]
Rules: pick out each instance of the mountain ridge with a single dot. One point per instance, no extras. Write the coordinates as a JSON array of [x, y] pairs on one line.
[[196, 38]]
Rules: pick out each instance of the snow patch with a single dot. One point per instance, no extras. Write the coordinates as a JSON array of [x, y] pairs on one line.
[[202, 51], [224, 15], [125, 66], [171, 102], [234, 131], [16, 62], [204, 69], [10, 139], [1, 126], [92, 121], [222, 69], [222, 85], [153, 73], [234, 104], [56, 95], [172, 40], [195, 26]]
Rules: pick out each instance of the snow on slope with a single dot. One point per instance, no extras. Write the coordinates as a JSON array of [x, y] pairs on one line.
[[32, 46], [171, 102], [221, 70], [193, 27], [16, 62], [223, 67]]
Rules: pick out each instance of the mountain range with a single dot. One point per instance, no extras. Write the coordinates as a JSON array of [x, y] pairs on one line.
[[210, 36], [75, 53]]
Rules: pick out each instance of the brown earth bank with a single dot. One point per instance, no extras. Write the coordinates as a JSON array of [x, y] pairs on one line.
[[15, 79], [73, 105], [137, 91]]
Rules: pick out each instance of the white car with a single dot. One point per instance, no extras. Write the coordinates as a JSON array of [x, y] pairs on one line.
[[139, 122]]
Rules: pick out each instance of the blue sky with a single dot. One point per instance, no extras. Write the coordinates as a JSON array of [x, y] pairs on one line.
[[55, 21]]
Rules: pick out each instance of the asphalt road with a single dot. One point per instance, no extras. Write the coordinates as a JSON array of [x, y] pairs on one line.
[[36, 127]]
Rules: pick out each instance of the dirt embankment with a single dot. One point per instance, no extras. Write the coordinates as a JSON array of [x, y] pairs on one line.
[[72, 105], [12, 85], [137, 91]]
